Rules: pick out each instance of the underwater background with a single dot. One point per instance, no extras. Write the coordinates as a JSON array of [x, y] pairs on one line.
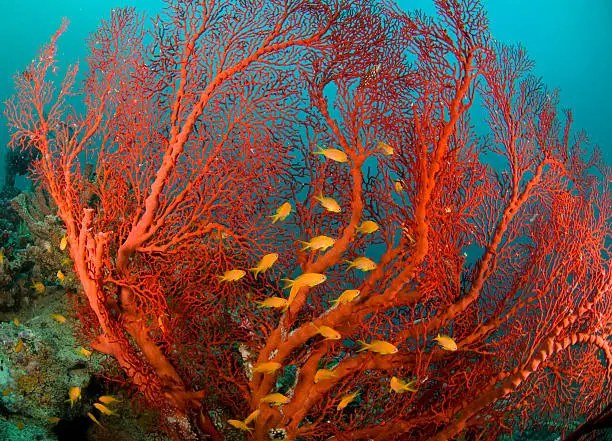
[[569, 40]]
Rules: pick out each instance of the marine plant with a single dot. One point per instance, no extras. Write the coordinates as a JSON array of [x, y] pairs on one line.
[[441, 283]]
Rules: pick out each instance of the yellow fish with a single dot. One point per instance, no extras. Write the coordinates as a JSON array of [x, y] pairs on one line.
[[399, 386], [232, 275], [268, 367], [327, 332], [265, 263], [361, 263], [53, 420], [58, 318], [38, 287], [367, 227], [60, 276], [346, 400], [1, 257], [108, 399], [63, 243], [252, 416], [386, 148], [74, 394], [306, 279], [16, 321], [93, 418], [333, 154], [398, 186], [85, 352], [446, 343], [105, 410], [240, 425], [347, 296], [324, 374], [378, 346], [19, 346], [273, 302], [282, 212], [275, 399], [328, 203], [318, 243], [7, 391]]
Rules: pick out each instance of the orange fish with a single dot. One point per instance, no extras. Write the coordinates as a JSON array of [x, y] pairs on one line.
[[378, 346], [268, 367], [93, 418]]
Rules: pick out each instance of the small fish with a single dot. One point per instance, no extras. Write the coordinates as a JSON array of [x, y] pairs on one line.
[[367, 227], [74, 394], [399, 386], [6, 392], [232, 275], [361, 263], [398, 186], [327, 332], [333, 154], [105, 410], [273, 302], [108, 399], [386, 148], [240, 425], [306, 279], [60, 276], [85, 352], [1, 257], [53, 420], [19, 346], [268, 367], [406, 232], [324, 374], [58, 318], [265, 263], [347, 296], [38, 287], [378, 346], [160, 323], [345, 400], [63, 243], [282, 212], [16, 321], [328, 203], [275, 399], [252, 416], [446, 342], [93, 418], [318, 243], [20, 425]]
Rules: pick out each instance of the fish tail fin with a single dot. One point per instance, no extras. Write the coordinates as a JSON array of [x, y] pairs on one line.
[[364, 345], [306, 245], [275, 218], [288, 283], [255, 270]]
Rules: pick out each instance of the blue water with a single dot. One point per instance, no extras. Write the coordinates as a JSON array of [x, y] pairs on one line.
[[570, 40]]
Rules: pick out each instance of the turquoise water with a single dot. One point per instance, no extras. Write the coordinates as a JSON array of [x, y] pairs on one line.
[[570, 40]]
